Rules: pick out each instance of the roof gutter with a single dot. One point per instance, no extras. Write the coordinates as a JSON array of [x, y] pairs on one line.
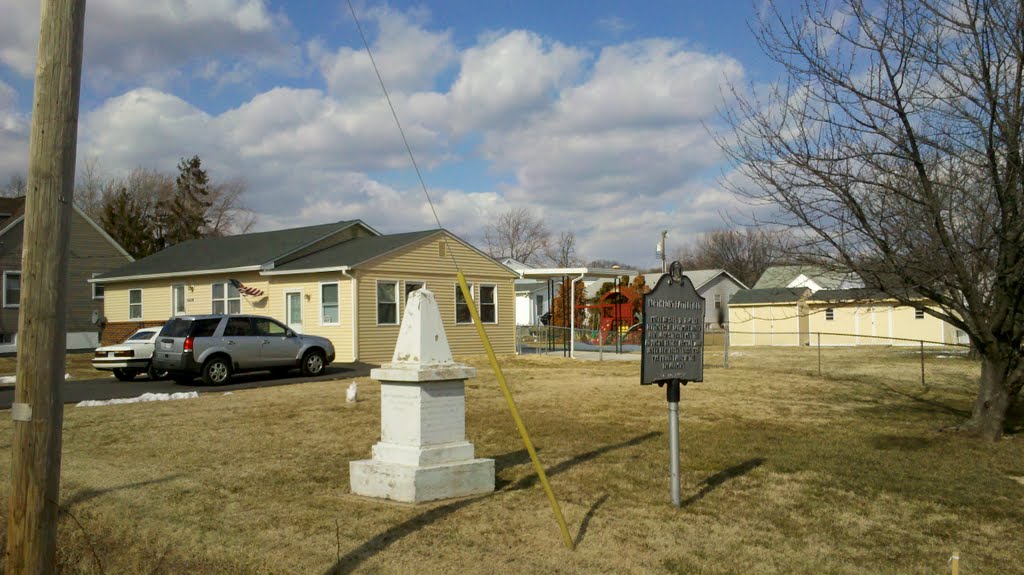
[[343, 269], [355, 317], [173, 275]]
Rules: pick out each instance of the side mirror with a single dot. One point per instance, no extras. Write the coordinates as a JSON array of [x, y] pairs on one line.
[[290, 333]]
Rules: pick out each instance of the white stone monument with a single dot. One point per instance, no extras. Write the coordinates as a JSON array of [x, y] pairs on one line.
[[423, 454]]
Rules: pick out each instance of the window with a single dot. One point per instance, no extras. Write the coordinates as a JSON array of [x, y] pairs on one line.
[[12, 289], [135, 304], [539, 305], [142, 336], [329, 314], [269, 327], [237, 326], [462, 314], [387, 303], [177, 299], [830, 314], [226, 299], [918, 313], [97, 289], [718, 301], [489, 304], [8, 338], [411, 287]]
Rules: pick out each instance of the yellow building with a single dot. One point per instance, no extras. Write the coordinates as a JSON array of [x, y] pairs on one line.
[[862, 317], [344, 281], [772, 316]]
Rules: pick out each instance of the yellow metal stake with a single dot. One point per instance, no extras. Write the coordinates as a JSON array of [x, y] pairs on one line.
[[515, 412], [954, 564]]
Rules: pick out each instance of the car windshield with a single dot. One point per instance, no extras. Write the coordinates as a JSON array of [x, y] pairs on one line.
[[141, 336]]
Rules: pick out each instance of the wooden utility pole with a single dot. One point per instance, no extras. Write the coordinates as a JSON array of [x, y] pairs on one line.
[[38, 411]]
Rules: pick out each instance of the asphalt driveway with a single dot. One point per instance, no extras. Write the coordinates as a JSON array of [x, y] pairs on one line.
[[110, 388]]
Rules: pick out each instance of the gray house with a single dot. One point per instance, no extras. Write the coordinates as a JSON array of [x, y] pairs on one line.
[[92, 252], [716, 286]]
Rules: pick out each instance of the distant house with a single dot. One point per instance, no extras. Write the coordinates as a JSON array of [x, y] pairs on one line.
[[345, 281], [533, 296], [716, 286], [801, 305], [93, 252], [812, 277]]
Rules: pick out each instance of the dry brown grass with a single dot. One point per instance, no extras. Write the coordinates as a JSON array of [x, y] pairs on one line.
[[779, 474], [79, 366]]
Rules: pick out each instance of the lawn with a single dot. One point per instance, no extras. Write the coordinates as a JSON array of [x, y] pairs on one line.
[[780, 473], [78, 366]]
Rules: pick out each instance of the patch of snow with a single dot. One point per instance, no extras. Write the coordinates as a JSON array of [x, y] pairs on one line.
[[8, 379], [352, 392], [145, 397]]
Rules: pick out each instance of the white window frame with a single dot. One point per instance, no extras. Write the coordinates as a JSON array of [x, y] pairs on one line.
[[174, 301], [480, 304], [12, 273], [96, 285], [405, 288], [376, 300], [130, 304], [302, 312], [830, 314], [455, 296], [227, 299], [320, 297]]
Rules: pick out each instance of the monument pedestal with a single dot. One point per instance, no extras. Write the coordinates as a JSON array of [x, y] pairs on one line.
[[423, 454]]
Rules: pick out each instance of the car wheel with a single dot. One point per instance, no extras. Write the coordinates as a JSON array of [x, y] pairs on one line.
[[313, 363], [216, 371], [156, 374], [125, 374]]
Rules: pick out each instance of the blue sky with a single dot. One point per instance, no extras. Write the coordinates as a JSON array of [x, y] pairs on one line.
[[592, 114]]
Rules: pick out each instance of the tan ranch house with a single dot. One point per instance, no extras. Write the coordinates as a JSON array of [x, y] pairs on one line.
[[344, 281]]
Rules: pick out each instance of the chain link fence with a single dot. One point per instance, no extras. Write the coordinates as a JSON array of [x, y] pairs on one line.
[[827, 355]]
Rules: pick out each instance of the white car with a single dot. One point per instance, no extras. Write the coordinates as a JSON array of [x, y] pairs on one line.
[[130, 357]]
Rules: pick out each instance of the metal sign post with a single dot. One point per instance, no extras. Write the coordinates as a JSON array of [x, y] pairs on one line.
[[673, 349]]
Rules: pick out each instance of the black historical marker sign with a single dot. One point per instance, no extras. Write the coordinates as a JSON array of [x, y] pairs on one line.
[[673, 341]]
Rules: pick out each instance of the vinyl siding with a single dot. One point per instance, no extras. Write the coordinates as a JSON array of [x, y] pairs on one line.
[[422, 262], [777, 324], [156, 296], [311, 299], [90, 253]]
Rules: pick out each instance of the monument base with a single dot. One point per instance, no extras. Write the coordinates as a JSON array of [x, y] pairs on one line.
[[412, 484]]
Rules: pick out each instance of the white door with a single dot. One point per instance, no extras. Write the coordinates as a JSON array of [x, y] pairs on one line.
[[293, 310]]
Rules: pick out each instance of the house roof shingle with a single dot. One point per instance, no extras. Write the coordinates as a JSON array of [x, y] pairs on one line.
[[782, 276], [768, 295], [355, 251], [227, 252]]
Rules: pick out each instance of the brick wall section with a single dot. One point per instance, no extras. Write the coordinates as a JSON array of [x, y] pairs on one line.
[[116, 332]]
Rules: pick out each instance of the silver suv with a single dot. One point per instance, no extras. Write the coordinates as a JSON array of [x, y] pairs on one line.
[[215, 346]]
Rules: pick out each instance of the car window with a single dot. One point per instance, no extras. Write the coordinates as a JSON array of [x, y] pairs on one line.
[[266, 326], [205, 327], [176, 328], [238, 326], [141, 336]]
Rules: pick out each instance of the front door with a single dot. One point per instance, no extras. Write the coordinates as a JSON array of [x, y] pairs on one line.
[[293, 310]]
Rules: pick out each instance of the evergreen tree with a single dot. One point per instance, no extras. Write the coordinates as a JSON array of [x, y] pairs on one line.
[[183, 217]]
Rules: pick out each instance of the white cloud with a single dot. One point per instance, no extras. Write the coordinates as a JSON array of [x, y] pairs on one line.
[[409, 58], [510, 76], [14, 130], [127, 39]]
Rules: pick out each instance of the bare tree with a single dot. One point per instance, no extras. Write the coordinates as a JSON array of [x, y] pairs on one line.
[[227, 214], [895, 143], [89, 187], [16, 186], [517, 233], [562, 251], [745, 254]]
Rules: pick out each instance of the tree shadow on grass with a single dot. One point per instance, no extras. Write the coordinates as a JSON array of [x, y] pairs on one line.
[[381, 541], [84, 495], [713, 482]]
